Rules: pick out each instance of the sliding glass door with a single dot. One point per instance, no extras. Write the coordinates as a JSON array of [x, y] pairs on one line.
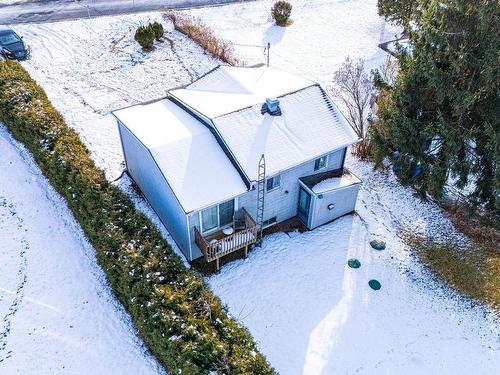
[[209, 219], [217, 216]]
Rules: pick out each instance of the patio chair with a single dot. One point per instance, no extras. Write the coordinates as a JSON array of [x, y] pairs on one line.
[[239, 220]]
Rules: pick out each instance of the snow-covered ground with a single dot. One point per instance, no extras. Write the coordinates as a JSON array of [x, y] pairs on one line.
[[323, 34], [57, 312], [312, 314], [90, 67], [309, 312]]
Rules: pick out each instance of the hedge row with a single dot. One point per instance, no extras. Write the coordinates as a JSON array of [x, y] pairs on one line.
[[184, 325]]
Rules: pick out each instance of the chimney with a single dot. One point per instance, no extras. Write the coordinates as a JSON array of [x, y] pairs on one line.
[[271, 106]]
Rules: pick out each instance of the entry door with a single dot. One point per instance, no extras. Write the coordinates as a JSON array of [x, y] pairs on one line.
[[304, 205]]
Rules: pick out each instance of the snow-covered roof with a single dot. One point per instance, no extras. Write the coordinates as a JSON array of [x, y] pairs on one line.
[[226, 89], [309, 127], [334, 183], [205, 166], [188, 155]]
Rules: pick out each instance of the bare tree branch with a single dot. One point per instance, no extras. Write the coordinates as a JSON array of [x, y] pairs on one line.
[[351, 90]]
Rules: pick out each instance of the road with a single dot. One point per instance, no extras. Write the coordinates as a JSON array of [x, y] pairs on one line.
[[37, 11]]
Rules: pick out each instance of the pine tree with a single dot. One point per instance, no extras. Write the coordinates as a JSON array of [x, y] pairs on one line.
[[442, 113], [398, 11]]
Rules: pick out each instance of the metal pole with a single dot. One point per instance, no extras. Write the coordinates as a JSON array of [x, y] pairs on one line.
[[268, 48]]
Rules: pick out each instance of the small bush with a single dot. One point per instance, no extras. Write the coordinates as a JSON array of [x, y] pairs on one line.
[[281, 12], [203, 35], [184, 325], [157, 29], [145, 36]]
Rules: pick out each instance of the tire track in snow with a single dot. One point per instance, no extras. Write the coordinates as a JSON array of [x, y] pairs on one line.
[[8, 212]]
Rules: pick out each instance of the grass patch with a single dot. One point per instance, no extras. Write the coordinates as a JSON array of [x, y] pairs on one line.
[[473, 271], [180, 320], [202, 35], [481, 228]]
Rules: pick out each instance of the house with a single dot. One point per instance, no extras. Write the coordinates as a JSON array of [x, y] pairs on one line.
[[239, 149]]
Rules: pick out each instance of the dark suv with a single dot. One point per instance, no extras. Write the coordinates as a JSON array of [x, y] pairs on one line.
[[12, 45]]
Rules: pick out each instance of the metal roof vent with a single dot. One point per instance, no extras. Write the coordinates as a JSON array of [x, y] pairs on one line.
[[271, 106]]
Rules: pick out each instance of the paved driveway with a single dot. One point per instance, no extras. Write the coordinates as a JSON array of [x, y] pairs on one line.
[[35, 11]]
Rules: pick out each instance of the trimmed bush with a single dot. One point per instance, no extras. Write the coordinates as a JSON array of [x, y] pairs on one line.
[[281, 12], [145, 36], [157, 29], [183, 324]]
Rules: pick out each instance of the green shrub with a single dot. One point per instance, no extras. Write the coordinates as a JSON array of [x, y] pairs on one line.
[[145, 36], [281, 12], [184, 325], [157, 29]]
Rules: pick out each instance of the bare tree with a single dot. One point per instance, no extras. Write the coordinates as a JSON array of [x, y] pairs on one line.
[[389, 70], [351, 90]]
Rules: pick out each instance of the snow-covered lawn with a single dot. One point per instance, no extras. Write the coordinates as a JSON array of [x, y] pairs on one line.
[[90, 67], [312, 314], [309, 312], [57, 313], [323, 34]]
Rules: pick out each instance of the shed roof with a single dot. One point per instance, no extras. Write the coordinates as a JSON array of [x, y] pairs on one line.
[[188, 155]]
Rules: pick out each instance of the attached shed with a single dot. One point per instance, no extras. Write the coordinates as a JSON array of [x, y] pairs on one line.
[[326, 196]]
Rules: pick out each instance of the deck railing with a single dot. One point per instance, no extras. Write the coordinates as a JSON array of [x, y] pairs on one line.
[[216, 249]]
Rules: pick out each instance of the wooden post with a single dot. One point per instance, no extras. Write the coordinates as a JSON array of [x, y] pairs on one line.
[[246, 251], [217, 263]]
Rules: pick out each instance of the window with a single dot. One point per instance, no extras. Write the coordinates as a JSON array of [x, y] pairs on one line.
[[269, 222], [217, 216], [9, 38], [273, 182], [321, 163]]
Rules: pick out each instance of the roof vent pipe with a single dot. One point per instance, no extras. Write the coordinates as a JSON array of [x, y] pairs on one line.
[[271, 106]]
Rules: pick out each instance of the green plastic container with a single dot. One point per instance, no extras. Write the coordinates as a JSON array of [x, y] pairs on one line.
[[374, 284], [354, 263], [377, 244]]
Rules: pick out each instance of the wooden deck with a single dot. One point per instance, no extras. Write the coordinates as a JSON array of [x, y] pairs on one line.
[[216, 246]]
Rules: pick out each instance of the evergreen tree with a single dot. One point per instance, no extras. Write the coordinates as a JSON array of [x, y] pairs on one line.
[[398, 11], [442, 113]]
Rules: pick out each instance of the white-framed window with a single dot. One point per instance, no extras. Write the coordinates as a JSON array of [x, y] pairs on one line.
[[273, 182], [217, 216], [321, 163]]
